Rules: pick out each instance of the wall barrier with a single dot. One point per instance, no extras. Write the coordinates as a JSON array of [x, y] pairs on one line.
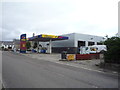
[[87, 56], [79, 56]]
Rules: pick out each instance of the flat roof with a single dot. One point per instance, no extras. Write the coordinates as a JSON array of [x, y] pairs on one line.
[[46, 38]]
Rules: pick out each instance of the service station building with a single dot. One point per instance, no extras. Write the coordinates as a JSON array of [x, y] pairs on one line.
[[67, 42], [75, 41]]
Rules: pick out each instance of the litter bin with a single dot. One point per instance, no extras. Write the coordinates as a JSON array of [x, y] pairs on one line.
[[64, 55]]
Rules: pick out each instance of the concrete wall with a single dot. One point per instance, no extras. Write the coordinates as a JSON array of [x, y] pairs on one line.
[[16, 43], [71, 50]]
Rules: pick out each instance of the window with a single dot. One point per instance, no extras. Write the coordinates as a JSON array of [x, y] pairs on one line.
[[99, 43], [81, 43], [91, 43]]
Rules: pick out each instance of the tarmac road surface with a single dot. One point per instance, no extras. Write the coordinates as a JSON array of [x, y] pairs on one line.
[[19, 71]]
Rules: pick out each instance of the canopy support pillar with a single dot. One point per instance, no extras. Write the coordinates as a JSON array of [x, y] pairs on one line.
[[50, 46]]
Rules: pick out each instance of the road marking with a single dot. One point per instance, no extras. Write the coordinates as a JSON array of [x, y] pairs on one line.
[[94, 86], [114, 72], [0, 84], [80, 67], [60, 74], [4, 84]]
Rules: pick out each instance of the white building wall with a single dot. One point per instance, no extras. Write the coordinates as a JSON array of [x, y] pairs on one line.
[[119, 32], [74, 38], [87, 38], [65, 43]]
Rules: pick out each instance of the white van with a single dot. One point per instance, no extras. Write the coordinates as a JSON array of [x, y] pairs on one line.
[[96, 49]]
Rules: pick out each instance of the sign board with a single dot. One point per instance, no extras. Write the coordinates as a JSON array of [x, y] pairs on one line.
[[71, 56], [49, 36], [23, 43], [45, 37]]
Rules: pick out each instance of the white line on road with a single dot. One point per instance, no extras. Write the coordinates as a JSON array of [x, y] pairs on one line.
[[114, 73]]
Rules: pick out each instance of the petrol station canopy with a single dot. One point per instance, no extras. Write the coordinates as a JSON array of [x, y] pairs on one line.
[[47, 38]]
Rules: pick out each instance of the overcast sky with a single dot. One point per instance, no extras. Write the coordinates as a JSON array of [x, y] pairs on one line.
[[56, 17]]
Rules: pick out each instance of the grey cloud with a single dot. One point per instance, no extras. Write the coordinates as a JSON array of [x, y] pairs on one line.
[[43, 17], [10, 34], [30, 17]]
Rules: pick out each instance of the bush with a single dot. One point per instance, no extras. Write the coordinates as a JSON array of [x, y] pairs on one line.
[[28, 45], [113, 50]]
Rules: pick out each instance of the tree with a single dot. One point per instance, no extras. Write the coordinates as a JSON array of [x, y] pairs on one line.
[[28, 45], [113, 50]]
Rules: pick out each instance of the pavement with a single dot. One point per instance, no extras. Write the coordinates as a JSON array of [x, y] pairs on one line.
[[85, 64], [21, 71]]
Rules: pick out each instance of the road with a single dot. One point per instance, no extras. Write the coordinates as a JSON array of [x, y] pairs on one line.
[[19, 71]]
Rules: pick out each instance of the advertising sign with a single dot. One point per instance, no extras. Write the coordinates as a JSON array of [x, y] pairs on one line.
[[49, 36], [70, 56], [23, 43], [23, 37], [62, 37]]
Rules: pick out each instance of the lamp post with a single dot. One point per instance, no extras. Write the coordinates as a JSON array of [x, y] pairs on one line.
[[103, 40]]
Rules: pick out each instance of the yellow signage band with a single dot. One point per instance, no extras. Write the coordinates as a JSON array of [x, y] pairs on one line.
[[49, 36]]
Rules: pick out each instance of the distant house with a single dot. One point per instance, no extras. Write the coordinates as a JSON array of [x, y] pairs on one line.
[[7, 44], [0, 43], [10, 44], [16, 43]]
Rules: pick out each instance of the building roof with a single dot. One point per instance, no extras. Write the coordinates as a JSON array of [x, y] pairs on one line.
[[16, 41], [7, 42]]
